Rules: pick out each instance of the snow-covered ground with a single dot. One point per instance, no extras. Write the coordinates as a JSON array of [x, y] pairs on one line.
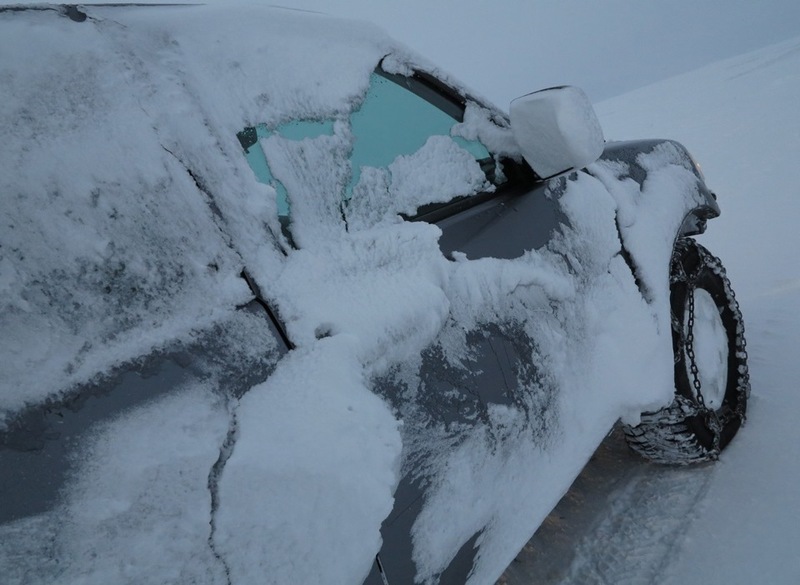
[[740, 119], [735, 522]]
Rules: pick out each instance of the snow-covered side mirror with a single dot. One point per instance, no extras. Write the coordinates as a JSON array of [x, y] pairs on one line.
[[557, 130]]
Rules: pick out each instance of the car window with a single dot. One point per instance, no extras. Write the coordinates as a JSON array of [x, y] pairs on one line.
[[402, 153], [395, 120]]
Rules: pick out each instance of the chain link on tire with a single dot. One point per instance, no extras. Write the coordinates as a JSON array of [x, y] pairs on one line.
[[688, 430]]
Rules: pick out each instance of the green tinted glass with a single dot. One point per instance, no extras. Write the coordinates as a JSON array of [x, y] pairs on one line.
[[392, 122]]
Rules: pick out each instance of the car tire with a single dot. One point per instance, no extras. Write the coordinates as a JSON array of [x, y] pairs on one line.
[[712, 382]]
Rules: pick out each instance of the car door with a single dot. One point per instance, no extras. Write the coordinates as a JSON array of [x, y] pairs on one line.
[[417, 149]]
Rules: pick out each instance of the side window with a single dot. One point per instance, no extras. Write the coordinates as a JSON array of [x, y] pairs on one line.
[[396, 119], [399, 151]]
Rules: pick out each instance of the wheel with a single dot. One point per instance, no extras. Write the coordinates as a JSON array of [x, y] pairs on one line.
[[712, 383]]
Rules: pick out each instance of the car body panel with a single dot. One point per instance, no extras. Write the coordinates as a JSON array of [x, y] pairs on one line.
[[38, 449]]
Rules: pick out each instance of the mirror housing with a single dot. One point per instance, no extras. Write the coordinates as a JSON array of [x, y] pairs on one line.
[[557, 130]]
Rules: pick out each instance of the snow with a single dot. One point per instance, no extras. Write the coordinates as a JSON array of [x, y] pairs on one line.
[[312, 474], [127, 173], [735, 521], [312, 165], [557, 130], [600, 356], [439, 162], [606, 48], [481, 124], [82, 150], [317, 454], [710, 347]]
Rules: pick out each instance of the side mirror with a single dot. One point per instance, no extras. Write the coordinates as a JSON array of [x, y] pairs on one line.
[[557, 130]]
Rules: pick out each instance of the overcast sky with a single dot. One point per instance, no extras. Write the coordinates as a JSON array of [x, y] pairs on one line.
[[506, 48]]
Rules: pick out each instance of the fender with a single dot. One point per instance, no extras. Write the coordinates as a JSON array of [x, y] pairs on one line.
[[697, 204], [694, 222]]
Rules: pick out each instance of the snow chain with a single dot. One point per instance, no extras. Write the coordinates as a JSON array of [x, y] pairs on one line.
[[678, 273]]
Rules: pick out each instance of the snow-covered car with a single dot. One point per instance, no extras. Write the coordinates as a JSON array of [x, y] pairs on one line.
[[282, 302]]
